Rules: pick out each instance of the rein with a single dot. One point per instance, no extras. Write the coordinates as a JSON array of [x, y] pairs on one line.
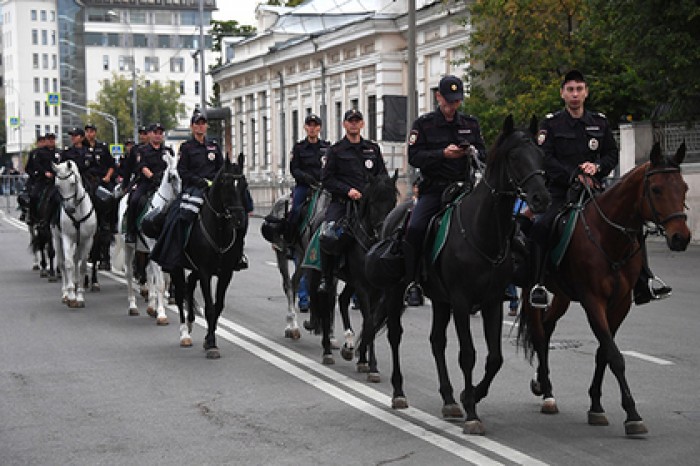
[[225, 216], [78, 201]]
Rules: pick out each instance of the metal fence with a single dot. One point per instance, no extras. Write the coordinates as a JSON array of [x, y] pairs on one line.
[[672, 135], [10, 186]]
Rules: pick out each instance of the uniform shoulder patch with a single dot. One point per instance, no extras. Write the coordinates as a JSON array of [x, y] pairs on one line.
[[600, 114], [549, 115], [541, 136], [413, 137]]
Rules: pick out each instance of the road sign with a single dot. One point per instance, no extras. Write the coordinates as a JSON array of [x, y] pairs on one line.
[[53, 98], [14, 121], [117, 151]]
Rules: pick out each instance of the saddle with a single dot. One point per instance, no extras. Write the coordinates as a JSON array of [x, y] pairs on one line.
[[439, 225]]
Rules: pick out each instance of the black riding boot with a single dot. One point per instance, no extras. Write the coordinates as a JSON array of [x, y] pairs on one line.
[[644, 289], [414, 293], [538, 293], [327, 269]]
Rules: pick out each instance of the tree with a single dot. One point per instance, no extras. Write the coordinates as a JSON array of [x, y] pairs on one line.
[[638, 57], [156, 103], [221, 29]]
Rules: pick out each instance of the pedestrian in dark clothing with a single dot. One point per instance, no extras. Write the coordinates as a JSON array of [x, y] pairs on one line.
[[348, 165], [441, 145]]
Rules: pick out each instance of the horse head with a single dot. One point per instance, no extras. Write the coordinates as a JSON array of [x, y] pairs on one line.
[[68, 184], [228, 192], [515, 165], [378, 199], [664, 197], [171, 184]]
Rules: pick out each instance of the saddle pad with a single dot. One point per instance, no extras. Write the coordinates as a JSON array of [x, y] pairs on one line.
[[568, 222], [311, 206], [312, 256], [443, 227]]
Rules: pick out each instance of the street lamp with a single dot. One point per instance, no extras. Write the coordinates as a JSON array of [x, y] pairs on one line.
[[134, 89]]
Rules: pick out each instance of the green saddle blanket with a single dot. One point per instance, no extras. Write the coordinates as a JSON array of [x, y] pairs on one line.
[[312, 256], [567, 220], [443, 227]]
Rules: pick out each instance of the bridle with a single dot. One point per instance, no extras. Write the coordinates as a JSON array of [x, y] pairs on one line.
[[75, 194], [660, 223], [223, 217], [513, 182]]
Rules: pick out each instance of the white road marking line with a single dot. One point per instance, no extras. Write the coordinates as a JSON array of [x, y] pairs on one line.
[[648, 358], [14, 222], [306, 375]]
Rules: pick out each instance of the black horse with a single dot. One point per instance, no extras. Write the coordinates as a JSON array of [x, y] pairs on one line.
[[214, 247], [473, 268], [366, 218], [41, 241]]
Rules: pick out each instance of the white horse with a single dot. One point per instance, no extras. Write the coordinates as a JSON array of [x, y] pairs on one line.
[[168, 190], [74, 233]]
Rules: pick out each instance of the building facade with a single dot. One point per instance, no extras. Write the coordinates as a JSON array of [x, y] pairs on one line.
[[324, 59]]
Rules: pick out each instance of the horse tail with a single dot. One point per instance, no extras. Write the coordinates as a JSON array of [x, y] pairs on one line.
[[530, 319]]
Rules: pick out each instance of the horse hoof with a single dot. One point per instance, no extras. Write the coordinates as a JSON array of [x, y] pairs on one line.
[[64, 300], [535, 387], [186, 342], [133, 311], [80, 304], [151, 312], [292, 333], [95, 287], [162, 321], [213, 353], [474, 427], [452, 411], [635, 428], [374, 377], [399, 402], [53, 278], [328, 360], [549, 406], [597, 419], [43, 274], [35, 267], [347, 353]]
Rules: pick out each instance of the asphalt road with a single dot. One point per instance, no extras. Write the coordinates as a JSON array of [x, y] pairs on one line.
[[95, 386]]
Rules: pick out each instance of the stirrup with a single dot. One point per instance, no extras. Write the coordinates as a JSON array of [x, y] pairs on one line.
[[407, 292], [538, 297], [661, 292]]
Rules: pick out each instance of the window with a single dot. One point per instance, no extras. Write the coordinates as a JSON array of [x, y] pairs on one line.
[[265, 148], [46, 85], [47, 129], [35, 37], [163, 17], [54, 85], [372, 117], [54, 61], [253, 145], [163, 41], [43, 15], [37, 85], [45, 61], [52, 16], [33, 15], [47, 109], [35, 61], [196, 88], [44, 37], [177, 65], [295, 125], [196, 64], [105, 62], [137, 17], [37, 131], [124, 63], [151, 64], [182, 87], [338, 120], [53, 37], [37, 108]]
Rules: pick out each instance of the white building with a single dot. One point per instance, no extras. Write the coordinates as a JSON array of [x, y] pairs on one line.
[[326, 57], [68, 47], [30, 57]]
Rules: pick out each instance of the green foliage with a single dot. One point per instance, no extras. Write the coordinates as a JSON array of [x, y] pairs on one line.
[[155, 103], [640, 57]]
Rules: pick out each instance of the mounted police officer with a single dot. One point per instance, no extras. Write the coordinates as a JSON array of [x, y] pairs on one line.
[[31, 177], [43, 185], [575, 142], [305, 166], [150, 167], [127, 168], [76, 151], [347, 167], [199, 161], [441, 144]]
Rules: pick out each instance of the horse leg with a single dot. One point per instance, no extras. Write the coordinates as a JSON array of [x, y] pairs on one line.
[[94, 284], [129, 252], [209, 314], [159, 288], [467, 360], [222, 283], [367, 341], [604, 332], [43, 273], [347, 351], [178, 279], [292, 329], [438, 344], [393, 303], [492, 317], [71, 272], [325, 309], [81, 265]]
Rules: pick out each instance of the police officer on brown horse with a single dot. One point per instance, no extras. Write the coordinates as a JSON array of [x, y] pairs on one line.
[[441, 145]]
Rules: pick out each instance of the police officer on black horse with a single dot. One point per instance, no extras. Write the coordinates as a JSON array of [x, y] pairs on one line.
[[27, 209], [127, 168], [43, 184], [441, 145]]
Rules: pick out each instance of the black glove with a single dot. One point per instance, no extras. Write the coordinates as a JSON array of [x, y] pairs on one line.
[[202, 183]]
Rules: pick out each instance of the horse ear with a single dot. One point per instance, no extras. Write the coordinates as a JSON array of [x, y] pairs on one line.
[[396, 176], [508, 124], [655, 156], [680, 154], [533, 125], [241, 159], [54, 166]]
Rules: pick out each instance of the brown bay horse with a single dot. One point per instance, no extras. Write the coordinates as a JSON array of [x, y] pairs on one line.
[[600, 269]]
